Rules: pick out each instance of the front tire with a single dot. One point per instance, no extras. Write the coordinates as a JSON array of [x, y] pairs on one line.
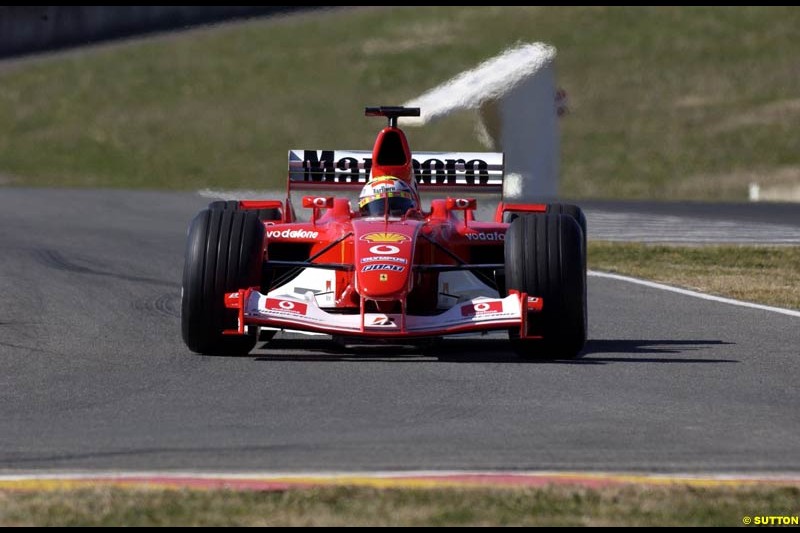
[[545, 256], [224, 252]]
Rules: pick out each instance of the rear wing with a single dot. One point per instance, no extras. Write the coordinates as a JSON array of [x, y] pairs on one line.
[[433, 170], [438, 174]]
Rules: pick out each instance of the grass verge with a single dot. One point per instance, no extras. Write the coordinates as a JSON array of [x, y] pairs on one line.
[[767, 275], [628, 505], [667, 103]]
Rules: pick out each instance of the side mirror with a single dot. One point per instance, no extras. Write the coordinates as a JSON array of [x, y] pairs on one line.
[[317, 202], [461, 204]]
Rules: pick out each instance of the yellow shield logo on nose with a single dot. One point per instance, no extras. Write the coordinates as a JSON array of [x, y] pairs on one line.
[[385, 237], [384, 277]]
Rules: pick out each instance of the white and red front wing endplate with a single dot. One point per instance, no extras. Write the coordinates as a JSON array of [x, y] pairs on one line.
[[303, 314]]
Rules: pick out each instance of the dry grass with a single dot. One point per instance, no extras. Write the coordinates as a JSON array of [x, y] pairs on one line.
[[777, 183], [629, 505], [768, 275]]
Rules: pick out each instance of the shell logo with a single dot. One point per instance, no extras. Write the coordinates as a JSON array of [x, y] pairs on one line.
[[385, 237]]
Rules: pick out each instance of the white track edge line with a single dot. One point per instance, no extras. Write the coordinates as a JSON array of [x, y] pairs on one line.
[[402, 474], [695, 294]]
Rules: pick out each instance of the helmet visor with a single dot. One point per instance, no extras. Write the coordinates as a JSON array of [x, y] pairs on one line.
[[398, 206]]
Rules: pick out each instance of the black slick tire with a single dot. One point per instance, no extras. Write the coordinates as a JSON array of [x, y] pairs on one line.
[[224, 251], [545, 256]]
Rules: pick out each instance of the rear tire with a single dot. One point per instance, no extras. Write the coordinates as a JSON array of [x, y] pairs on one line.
[[264, 215], [224, 252], [545, 256], [563, 209], [575, 212]]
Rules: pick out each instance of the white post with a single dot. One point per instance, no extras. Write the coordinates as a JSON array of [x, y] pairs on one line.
[[755, 192]]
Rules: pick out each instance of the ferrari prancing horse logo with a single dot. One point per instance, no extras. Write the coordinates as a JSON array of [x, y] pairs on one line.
[[385, 237]]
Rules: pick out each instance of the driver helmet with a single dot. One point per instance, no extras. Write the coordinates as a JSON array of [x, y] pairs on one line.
[[378, 191]]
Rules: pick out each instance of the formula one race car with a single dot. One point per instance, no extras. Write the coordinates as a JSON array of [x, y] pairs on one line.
[[353, 252]]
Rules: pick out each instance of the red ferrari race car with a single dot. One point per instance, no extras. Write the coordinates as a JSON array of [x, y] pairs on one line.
[[384, 246]]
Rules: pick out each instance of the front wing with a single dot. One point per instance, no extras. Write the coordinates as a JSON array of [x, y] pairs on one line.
[[303, 314]]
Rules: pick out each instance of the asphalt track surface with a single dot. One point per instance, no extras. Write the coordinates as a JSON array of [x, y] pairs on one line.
[[95, 376]]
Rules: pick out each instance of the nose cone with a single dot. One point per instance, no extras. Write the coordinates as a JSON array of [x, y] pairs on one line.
[[383, 258]]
